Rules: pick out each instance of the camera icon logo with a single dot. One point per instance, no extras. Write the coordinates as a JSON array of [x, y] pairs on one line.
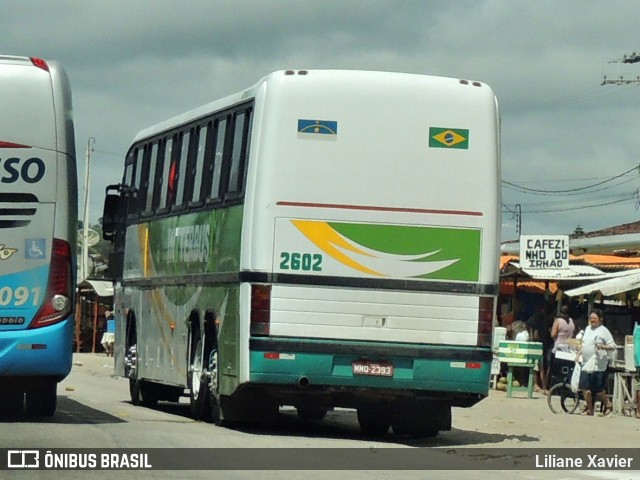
[[23, 459]]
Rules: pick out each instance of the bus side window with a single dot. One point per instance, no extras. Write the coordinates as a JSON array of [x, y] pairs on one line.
[[174, 174], [128, 181], [196, 169], [151, 177], [216, 163], [134, 194], [183, 159], [238, 154], [168, 148]]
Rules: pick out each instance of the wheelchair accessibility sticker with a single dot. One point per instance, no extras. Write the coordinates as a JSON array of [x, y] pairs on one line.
[[35, 248]]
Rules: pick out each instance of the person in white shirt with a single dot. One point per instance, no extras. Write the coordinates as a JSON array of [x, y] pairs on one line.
[[596, 342]]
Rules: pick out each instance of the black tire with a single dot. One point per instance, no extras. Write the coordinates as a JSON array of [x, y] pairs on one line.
[[134, 392], [249, 407], [315, 414], [201, 400], [424, 419], [42, 400], [374, 420], [142, 393], [561, 399], [149, 394], [11, 402]]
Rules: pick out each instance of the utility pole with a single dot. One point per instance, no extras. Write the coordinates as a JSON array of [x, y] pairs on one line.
[[517, 215], [85, 216], [628, 59]]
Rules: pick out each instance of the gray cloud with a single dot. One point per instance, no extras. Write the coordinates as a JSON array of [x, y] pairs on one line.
[[134, 63]]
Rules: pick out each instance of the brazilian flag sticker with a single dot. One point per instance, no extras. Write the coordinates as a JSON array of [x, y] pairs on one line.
[[448, 138]]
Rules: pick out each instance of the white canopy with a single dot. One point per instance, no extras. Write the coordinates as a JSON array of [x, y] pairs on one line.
[[624, 282], [101, 287]]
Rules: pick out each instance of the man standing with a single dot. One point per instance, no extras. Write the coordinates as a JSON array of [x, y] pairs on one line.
[[596, 342]]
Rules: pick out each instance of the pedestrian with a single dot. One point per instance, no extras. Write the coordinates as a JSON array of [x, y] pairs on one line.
[[596, 342], [109, 336], [539, 331], [562, 330]]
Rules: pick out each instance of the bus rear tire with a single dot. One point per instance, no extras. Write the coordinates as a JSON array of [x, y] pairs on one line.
[[204, 406], [374, 420], [41, 400], [420, 418], [142, 393], [249, 407], [11, 402], [312, 413], [134, 392]]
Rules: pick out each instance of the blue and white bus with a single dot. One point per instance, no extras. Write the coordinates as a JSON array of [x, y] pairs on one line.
[[38, 221], [323, 239]]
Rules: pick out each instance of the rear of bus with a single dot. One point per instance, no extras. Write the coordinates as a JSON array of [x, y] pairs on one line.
[[38, 217], [371, 233]]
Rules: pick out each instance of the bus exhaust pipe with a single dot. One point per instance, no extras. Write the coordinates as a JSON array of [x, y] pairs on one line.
[[303, 382]]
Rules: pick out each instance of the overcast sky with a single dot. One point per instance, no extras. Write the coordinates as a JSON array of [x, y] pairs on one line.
[[135, 63]]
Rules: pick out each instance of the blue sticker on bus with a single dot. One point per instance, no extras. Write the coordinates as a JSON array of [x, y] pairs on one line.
[[35, 248], [318, 127]]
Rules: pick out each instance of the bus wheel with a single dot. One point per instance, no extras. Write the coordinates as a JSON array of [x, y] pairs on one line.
[[142, 393], [312, 413], [200, 397], [11, 402], [134, 392], [213, 407], [42, 399], [424, 418], [249, 406], [374, 419]]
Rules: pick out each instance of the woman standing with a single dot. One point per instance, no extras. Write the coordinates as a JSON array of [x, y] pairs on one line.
[[562, 329], [596, 342]]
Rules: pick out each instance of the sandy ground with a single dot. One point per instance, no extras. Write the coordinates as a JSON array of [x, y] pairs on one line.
[[497, 421]]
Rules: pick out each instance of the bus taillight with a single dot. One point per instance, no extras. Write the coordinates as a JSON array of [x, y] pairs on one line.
[[485, 321], [57, 302], [40, 63], [4, 144], [260, 309]]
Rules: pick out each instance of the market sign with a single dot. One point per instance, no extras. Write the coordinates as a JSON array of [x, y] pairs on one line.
[[544, 251]]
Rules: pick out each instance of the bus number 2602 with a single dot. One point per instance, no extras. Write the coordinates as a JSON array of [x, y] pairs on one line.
[[301, 261]]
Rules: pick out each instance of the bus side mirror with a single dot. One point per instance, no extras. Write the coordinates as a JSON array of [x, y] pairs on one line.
[[110, 215]]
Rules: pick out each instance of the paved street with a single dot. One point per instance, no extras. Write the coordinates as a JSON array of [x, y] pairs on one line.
[[95, 412]]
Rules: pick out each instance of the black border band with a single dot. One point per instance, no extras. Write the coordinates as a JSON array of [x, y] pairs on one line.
[[224, 278], [451, 353]]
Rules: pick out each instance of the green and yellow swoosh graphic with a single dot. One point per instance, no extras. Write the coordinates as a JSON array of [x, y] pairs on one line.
[[398, 251]]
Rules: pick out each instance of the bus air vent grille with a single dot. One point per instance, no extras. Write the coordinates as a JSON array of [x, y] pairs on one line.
[[16, 209]]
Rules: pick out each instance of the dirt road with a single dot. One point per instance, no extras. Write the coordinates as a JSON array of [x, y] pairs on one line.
[[497, 421]]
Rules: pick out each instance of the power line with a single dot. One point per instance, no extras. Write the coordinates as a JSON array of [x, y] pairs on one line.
[[569, 193], [538, 190]]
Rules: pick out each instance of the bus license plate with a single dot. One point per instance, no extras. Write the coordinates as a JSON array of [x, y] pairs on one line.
[[376, 369]]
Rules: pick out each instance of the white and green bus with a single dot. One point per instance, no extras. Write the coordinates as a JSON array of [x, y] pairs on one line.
[[322, 239]]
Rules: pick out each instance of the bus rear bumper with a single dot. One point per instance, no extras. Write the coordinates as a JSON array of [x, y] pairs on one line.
[[459, 375], [42, 352]]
